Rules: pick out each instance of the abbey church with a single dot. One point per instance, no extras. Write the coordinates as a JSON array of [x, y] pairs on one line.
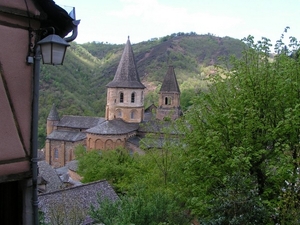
[[121, 126]]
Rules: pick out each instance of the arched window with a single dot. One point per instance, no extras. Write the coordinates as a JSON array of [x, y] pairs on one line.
[[56, 153], [121, 97], [132, 114], [167, 101], [142, 97], [132, 97], [119, 113]]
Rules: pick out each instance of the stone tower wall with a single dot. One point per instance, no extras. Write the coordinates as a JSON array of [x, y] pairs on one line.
[[170, 107], [132, 112]]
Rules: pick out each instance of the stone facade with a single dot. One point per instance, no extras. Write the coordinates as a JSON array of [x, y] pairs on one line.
[[125, 103], [59, 153], [169, 97]]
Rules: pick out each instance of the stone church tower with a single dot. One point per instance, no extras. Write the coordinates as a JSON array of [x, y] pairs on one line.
[[125, 94], [169, 97], [52, 120]]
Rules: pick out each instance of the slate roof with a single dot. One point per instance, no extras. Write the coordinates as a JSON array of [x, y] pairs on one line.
[[65, 135], [170, 82], [53, 115], [63, 172], [135, 140], [74, 202], [113, 127], [149, 113], [127, 75], [50, 176], [72, 165], [154, 126], [79, 122]]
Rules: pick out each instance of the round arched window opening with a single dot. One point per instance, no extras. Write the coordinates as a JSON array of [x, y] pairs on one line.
[[121, 97], [132, 97]]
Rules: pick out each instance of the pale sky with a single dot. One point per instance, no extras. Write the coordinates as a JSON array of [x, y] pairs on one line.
[[113, 20]]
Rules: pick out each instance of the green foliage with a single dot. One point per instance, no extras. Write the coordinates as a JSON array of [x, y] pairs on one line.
[[148, 183], [243, 142], [42, 218], [141, 208], [116, 166]]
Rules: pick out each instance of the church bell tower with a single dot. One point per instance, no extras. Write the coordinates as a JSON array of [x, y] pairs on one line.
[[169, 97], [125, 93]]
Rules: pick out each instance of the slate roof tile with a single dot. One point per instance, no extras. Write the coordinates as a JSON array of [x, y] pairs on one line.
[[53, 115], [113, 127], [79, 122], [49, 174], [170, 82], [65, 135], [75, 200], [127, 75]]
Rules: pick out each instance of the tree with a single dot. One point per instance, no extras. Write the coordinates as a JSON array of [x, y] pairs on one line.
[[139, 208], [116, 166], [242, 140]]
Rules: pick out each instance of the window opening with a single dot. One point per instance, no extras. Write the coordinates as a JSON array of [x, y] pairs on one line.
[[56, 153], [121, 97], [132, 97], [132, 114]]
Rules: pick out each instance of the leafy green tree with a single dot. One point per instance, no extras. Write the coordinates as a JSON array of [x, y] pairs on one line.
[[242, 140], [141, 208], [116, 166]]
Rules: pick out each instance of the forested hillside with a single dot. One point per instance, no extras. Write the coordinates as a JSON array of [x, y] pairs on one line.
[[78, 87]]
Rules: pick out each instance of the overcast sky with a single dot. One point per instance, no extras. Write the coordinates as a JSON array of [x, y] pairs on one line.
[[113, 20]]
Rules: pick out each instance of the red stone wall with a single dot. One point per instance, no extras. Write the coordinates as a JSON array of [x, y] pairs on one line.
[[105, 142], [65, 152]]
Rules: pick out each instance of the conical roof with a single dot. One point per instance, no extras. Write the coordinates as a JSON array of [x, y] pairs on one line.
[[170, 82], [126, 75], [53, 115]]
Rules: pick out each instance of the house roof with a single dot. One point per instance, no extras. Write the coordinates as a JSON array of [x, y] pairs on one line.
[[56, 17], [47, 173], [65, 135], [53, 115], [170, 82], [113, 127], [154, 126], [72, 165], [79, 122], [127, 75], [135, 140], [75, 201]]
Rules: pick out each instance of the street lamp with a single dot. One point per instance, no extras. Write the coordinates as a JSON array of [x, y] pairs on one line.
[[53, 49]]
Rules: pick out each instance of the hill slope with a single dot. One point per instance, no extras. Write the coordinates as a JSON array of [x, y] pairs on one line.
[[78, 87]]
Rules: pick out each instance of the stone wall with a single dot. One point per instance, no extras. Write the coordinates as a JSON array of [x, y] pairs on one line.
[[58, 153], [123, 107]]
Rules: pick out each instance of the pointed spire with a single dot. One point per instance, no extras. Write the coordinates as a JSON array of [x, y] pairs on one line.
[[126, 75], [53, 115], [170, 82]]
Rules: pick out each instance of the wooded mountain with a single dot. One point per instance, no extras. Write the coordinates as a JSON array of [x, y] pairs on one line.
[[78, 87]]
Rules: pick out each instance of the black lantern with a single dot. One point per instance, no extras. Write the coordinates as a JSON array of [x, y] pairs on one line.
[[53, 49]]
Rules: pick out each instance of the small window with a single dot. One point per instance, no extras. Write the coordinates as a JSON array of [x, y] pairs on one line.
[[132, 114], [132, 97], [142, 97], [121, 97], [56, 153], [119, 113], [167, 101]]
